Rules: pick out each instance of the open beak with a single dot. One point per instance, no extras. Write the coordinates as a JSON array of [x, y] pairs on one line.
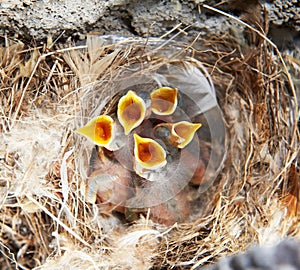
[[179, 134], [185, 132], [164, 100], [102, 131], [149, 155], [131, 111]]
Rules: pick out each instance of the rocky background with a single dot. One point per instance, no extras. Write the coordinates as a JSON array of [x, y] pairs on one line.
[[35, 20]]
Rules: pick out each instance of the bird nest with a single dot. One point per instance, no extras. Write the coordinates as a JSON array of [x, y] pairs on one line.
[[48, 92]]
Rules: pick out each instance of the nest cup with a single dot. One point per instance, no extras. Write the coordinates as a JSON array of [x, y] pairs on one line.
[[197, 103]]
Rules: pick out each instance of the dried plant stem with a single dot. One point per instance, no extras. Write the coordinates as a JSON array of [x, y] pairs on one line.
[[262, 35], [42, 57], [58, 221]]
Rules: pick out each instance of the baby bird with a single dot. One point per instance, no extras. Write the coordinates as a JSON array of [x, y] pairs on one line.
[[164, 100], [178, 134], [104, 131], [108, 183], [131, 111], [149, 157], [111, 133]]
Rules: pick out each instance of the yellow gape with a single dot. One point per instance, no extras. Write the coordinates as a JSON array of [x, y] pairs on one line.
[[148, 155], [185, 132], [131, 111], [103, 131], [164, 100], [179, 134]]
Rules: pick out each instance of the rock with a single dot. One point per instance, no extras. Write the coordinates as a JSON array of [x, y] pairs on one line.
[[36, 19], [284, 13], [284, 256]]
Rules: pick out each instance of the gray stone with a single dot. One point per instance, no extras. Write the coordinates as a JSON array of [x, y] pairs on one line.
[[284, 13], [36, 19], [284, 256]]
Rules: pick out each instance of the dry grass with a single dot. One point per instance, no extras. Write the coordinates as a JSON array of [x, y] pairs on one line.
[[45, 222]]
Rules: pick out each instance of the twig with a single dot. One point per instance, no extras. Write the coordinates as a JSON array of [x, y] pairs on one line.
[[285, 69], [42, 57], [58, 221]]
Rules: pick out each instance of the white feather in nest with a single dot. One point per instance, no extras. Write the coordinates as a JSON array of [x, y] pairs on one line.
[[139, 236], [194, 81], [127, 250], [276, 229], [135, 249], [77, 259], [36, 141]]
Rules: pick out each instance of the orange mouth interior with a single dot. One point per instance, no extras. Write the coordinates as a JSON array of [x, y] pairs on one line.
[[149, 152], [144, 152], [103, 131]]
